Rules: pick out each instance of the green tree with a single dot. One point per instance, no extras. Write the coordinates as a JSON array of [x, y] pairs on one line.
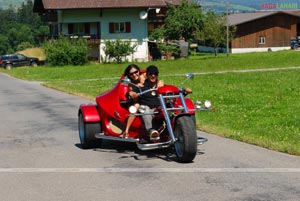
[[4, 44], [214, 33], [183, 21], [20, 26], [25, 15]]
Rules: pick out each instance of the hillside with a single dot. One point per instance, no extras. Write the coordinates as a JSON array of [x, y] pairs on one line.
[[246, 6]]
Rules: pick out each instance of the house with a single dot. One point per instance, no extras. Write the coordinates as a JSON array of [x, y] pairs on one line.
[[264, 31], [100, 20]]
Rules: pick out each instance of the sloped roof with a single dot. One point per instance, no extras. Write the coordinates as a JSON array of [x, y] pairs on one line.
[[85, 4], [241, 18]]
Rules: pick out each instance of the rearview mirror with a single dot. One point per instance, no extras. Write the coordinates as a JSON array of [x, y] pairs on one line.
[[189, 76], [125, 81]]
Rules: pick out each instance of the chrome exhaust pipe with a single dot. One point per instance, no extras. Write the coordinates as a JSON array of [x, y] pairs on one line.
[[201, 140], [151, 146]]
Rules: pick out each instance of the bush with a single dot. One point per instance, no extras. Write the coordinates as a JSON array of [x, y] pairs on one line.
[[24, 46], [117, 49], [65, 51]]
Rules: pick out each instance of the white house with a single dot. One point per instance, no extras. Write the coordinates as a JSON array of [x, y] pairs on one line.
[[100, 20]]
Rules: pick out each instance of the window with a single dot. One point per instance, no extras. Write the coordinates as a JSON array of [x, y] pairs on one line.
[[53, 29], [119, 27], [262, 40], [79, 28]]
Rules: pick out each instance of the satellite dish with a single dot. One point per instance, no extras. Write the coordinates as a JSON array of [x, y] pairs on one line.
[[143, 15]]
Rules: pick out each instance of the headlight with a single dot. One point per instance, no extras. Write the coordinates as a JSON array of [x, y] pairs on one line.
[[198, 104], [132, 109], [207, 104]]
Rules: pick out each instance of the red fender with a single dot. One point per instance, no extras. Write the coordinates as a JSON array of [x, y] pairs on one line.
[[90, 113], [189, 104]]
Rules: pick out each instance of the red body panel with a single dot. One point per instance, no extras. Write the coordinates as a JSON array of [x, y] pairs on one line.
[[111, 109], [166, 89], [90, 113]]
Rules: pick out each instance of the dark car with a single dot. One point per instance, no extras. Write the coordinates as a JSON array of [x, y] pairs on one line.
[[295, 44], [16, 60]]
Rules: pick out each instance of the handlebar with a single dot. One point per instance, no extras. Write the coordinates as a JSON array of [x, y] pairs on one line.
[[146, 91]]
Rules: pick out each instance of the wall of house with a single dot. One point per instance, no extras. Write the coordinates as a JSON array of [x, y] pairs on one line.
[[138, 31], [277, 30], [138, 27]]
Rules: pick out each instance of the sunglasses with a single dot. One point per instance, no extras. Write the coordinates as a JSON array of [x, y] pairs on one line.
[[135, 72], [152, 74]]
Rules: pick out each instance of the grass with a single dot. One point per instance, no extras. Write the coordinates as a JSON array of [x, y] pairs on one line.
[[257, 107]]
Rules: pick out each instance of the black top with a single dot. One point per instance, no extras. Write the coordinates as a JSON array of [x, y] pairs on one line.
[[150, 98]]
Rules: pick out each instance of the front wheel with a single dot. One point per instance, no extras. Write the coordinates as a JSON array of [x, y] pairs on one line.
[[87, 133], [186, 144]]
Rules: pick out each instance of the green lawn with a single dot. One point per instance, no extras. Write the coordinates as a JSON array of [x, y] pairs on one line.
[[257, 107]]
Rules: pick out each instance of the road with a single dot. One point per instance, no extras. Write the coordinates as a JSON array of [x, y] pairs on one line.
[[40, 159]]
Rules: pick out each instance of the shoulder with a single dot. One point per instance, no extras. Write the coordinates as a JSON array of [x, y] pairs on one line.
[[160, 83]]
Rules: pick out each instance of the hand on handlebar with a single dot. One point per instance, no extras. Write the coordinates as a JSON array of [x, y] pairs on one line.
[[133, 95]]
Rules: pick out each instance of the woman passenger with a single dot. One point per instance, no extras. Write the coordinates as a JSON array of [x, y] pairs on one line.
[[133, 72]]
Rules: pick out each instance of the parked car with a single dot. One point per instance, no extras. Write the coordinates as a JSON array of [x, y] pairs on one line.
[[17, 60], [295, 44]]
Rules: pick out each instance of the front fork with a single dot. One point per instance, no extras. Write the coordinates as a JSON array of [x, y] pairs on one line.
[[166, 114]]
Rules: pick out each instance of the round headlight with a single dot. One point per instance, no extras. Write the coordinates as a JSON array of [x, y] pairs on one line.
[[207, 104], [132, 109]]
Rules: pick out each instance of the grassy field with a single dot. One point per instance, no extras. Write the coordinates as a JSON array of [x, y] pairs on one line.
[[257, 107]]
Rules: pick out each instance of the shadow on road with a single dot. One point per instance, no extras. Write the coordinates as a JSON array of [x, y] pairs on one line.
[[130, 150]]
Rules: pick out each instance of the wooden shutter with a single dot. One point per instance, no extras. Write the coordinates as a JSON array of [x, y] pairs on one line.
[[111, 27], [127, 27]]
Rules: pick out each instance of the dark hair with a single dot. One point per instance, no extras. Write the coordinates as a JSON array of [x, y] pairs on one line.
[[152, 70], [131, 66]]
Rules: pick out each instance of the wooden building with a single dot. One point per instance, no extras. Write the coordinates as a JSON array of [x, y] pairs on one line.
[[264, 31]]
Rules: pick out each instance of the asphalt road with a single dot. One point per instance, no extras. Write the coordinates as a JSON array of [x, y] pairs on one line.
[[40, 159]]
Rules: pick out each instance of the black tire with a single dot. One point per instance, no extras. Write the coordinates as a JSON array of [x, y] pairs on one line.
[[194, 120], [34, 64], [87, 133], [186, 144], [8, 66]]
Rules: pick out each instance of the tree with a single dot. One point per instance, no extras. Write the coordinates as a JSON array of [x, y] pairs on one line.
[[4, 45], [183, 21], [20, 26], [214, 32]]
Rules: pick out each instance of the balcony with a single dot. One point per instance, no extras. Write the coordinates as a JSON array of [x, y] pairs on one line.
[[92, 39]]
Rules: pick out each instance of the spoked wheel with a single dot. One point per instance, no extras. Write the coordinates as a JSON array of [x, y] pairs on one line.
[[87, 133], [186, 144]]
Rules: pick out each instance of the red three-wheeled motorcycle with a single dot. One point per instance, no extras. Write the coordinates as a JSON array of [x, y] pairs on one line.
[[174, 119]]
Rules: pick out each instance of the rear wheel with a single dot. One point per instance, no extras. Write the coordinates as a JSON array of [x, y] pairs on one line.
[[8, 66], [186, 144], [34, 64], [87, 133]]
